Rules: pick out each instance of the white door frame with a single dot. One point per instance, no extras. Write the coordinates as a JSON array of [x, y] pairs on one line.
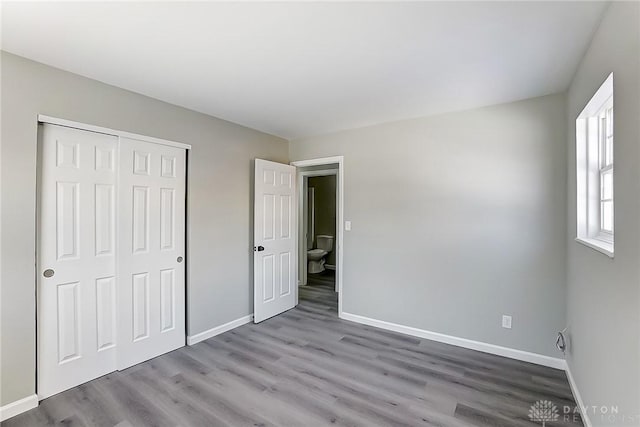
[[309, 216], [301, 175], [99, 129]]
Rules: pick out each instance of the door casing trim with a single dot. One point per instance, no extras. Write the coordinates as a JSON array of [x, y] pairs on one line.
[[326, 161], [83, 126]]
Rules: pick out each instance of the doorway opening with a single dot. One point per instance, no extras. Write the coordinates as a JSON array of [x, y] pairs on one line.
[[320, 230]]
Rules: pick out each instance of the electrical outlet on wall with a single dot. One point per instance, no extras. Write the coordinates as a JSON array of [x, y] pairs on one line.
[[347, 225], [506, 321]]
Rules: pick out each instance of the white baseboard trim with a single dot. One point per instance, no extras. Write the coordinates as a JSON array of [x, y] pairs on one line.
[[578, 398], [512, 353], [194, 339], [19, 406]]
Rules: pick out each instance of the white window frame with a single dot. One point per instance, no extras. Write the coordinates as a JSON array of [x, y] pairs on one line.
[[605, 133], [594, 135]]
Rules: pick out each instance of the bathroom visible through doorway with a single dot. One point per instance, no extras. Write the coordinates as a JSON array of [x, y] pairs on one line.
[[320, 222]]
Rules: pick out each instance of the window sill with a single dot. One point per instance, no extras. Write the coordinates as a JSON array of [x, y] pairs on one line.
[[598, 245]]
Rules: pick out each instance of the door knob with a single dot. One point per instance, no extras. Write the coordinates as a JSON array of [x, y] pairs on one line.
[[179, 259], [48, 273], [259, 248]]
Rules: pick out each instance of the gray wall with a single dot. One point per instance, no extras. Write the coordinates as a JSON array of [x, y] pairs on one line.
[[457, 219], [325, 209], [220, 199], [603, 293]]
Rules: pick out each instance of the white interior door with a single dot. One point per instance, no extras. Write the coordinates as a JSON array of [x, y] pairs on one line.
[[275, 239], [76, 258], [151, 248]]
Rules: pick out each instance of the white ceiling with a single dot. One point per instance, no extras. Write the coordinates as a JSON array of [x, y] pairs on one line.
[[300, 69]]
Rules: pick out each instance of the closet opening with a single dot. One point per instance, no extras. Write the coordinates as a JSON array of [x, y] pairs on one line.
[[110, 251]]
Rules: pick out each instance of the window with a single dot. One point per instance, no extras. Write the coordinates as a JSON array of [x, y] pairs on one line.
[[594, 161]]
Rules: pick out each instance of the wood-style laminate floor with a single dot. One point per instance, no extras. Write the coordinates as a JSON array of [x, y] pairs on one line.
[[306, 367]]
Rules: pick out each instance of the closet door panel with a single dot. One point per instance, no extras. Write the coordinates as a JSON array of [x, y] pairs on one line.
[[151, 246], [76, 283]]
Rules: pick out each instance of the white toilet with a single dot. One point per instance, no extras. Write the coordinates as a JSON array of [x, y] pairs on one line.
[[324, 245]]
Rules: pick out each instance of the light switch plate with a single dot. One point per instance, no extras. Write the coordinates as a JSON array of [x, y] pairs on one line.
[[506, 321], [347, 225]]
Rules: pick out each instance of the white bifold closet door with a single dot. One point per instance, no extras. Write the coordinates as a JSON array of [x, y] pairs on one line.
[[110, 247]]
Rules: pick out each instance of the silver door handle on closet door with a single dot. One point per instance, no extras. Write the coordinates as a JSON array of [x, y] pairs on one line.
[[258, 249], [179, 259], [48, 273]]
